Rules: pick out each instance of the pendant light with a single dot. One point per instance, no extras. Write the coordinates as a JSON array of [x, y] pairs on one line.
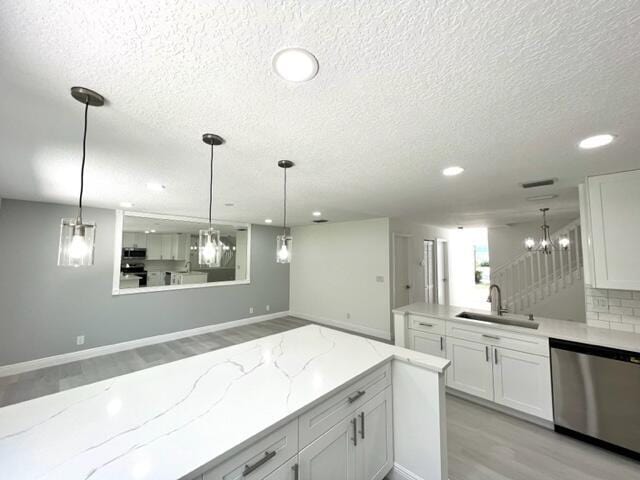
[[76, 245], [284, 241], [209, 245], [546, 244]]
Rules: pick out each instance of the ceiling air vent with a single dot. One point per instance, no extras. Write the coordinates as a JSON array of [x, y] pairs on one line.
[[539, 183], [320, 220]]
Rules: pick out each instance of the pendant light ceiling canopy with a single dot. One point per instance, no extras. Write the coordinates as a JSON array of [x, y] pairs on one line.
[[546, 244], [284, 242], [76, 244], [210, 248]]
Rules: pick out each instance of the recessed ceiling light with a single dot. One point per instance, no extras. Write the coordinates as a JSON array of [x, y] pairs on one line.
[[452, 171], [126, 204], [268, 220], [295, 64], [152, 231], [156, 187], [317, 214], [229, 204], [146, 231], [596, 141]]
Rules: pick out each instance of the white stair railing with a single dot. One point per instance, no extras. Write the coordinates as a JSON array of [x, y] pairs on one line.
[[534, 276]]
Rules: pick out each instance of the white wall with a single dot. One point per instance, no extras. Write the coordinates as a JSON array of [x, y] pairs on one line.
[[333, 275]]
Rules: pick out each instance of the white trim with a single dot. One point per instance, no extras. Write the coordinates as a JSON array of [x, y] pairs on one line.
[[398, 472], [29, 365], [374, 332], [117, 254]]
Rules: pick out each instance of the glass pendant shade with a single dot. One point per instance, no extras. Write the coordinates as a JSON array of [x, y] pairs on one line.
[[209, 248], [283, 249], [76, 246], [529, 243]]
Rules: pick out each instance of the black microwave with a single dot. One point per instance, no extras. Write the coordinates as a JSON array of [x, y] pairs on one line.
[[138, 253]]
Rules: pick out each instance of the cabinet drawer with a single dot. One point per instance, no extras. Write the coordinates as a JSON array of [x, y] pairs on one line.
[[503, 338], [427, 324], [261, 458], [320, 419]]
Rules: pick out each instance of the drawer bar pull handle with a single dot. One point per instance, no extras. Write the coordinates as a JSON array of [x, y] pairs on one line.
[[250, 468], [362, 425], [486, 353], [495, 355], [296, 470], [356, 396], [492, 337], [425, 324]]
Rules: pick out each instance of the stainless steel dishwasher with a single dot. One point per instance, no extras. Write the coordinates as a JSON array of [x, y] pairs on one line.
[[596, 395]]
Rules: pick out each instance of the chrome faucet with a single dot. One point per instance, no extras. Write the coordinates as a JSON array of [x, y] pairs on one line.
[[500, 310]]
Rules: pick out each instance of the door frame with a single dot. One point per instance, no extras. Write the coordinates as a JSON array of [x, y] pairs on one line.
[[445, 263], [394, 238]]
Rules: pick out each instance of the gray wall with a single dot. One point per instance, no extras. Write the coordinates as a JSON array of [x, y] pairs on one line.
[[44, 307]]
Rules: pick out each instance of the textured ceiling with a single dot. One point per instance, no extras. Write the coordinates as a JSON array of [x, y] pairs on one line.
[[405, 88]]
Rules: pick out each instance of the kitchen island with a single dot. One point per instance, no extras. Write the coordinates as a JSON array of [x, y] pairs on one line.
[[275, 407]]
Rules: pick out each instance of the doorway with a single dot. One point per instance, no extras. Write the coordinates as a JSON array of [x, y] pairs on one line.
[[429, 264], [442, 271], [401, 270]]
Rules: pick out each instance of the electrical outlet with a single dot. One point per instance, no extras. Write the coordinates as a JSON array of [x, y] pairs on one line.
[[380, 278], [348, 315], [80, 340], [268, 308], [250, 309]]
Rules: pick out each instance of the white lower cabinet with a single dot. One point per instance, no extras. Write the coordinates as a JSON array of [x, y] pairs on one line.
[[523, 382], [360, 447], [427, 343], [518, 380], [470, 369], [357, 444]]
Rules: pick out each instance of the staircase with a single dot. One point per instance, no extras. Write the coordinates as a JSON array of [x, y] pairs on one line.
[[535, 276]]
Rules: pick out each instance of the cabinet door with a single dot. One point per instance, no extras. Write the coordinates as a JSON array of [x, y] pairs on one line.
[[427, 343], [374, 452], [128, 239], [615, 228], [288, 471], [140, 240], [522, 381], [333, 455], [471, 369], [181, 248], [167, 246], [154, 247]]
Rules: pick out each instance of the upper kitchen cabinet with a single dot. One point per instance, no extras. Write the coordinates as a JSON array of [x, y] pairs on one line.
[[613, 204]]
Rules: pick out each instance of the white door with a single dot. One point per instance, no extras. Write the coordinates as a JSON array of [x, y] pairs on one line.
[[442, 271], [401, 271], [288, 471], [374, 452], [429, 264], [427, 343], [471, 370], [333, 455], [154, 247], [614, 201], [523, 381]]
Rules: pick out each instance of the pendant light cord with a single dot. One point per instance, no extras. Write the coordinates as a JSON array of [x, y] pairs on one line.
[[211, 188], [285, 202], [84, 154]]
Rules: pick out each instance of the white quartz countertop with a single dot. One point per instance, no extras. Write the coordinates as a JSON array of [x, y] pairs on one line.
[[549, 327], [172, 420]]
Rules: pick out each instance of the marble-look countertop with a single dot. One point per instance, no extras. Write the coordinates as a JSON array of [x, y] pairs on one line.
[[549, 327], [169, 421]]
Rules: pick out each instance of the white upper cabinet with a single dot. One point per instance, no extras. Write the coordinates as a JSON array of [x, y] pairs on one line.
[[614, 213]]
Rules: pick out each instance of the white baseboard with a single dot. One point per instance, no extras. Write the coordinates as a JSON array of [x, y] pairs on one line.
[[29, 365], [374, 332], [398, 472]]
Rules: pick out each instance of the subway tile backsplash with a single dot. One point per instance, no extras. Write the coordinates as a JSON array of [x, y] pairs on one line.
[[613, 309]]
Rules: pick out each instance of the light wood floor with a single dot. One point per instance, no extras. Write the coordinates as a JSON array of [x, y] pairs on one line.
[[483, 444]]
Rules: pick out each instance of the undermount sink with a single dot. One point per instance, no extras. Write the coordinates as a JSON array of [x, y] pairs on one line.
[[482, 317]]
